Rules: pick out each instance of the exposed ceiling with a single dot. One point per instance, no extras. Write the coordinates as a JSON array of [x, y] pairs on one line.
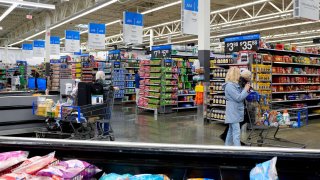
[[271, 18]]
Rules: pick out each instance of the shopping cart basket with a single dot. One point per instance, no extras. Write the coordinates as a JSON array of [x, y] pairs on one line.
[[260, 130]]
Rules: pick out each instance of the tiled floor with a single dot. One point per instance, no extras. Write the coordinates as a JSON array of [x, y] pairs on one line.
[[187, 128]]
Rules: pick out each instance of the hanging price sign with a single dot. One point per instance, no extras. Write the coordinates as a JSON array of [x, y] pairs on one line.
[[248, 42], [114, 55], [161, 52]]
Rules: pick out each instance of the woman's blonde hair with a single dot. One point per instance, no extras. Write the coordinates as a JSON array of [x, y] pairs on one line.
[[233, 75]]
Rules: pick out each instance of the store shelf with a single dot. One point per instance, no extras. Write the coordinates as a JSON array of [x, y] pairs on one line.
[[130, 80], [186, 94], [129, 93], [179, 108], [132, 67], [129, 101], [129, 73], [185, 101], [217, 105], [154, 97], [284, 52], [130, 87], [215, 92], [298, 100], [295, 83], [152, 77], [213, 119], [152, 84], [154, 91], [295, 64], [295, 74], [289, 92], [306, 107], [231, 64]]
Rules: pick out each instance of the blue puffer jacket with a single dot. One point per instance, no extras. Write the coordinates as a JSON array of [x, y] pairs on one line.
[[235, 106]]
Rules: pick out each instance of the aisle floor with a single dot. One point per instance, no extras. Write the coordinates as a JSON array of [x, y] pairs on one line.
[[186, 127]]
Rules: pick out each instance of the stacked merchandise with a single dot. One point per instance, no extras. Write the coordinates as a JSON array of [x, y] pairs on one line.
[[295, 79], [86, 72], [158, 89], [76, 70], [55, 76], [3, 76], [130, 66], [216, 103], [22, 68], [16, 165], [186, 93], [118, 78]]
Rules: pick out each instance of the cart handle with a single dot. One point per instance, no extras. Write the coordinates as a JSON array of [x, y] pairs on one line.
[[73, 107]]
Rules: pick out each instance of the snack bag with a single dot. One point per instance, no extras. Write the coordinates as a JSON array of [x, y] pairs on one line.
[[113, 176], [35, 164], [149, 177], [9, 159], [23, 176], [265, 171]]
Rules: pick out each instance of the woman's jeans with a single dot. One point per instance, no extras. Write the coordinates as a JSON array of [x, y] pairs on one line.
[[233, 136]]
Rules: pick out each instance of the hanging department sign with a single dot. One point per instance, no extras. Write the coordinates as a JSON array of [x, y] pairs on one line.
[[308, 9], [72, 42], [54, 45], [38, 48], [27, 51], [189, 17], [132, 28], [96, 36]]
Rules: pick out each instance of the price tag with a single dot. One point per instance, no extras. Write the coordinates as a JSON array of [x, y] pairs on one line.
[[249, 42], [114, 55], [161, 52]]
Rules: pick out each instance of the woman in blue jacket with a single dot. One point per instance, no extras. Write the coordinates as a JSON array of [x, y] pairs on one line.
[[235, 97]]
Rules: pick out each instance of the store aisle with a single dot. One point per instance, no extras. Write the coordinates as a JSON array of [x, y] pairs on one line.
[[187, 128]]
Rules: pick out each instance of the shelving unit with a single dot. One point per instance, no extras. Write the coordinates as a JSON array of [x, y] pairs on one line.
[[130, 66], [295, 80]]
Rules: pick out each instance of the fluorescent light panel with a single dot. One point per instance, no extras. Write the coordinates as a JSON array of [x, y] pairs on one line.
[[161, 7], [28, 3]]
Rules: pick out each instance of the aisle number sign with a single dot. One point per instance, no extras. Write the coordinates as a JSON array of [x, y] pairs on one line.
[[96, 36], [72, 42], [189, 17], [307, 9], [249, 42], [54, 45], [132, 28], [27, 51], [38, 48], [161, 52]]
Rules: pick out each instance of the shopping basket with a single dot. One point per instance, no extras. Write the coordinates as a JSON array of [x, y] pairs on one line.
[[260, 127]]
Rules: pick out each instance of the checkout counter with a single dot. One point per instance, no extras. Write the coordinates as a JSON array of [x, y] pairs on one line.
[[16, 113]]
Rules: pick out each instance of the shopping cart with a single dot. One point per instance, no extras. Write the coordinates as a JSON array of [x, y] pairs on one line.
[[81, 122], [261, 128]]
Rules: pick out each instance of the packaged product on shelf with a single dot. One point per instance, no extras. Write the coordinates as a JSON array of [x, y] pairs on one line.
[[9, 159], [114, 176], [149, 177], [35, 164], [265, 171]]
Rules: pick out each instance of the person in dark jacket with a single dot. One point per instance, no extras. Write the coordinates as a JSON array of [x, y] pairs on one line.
[[235, 97], [245, 77], [137, 84]]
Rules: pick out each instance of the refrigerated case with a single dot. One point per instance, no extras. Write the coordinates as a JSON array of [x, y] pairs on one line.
[[176, 161]]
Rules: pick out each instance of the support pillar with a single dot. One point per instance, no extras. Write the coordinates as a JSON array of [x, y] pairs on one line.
[[151, 38], [204, 49], [47, 47]]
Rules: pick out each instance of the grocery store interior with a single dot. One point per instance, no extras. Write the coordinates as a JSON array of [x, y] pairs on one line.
[[159, 89]]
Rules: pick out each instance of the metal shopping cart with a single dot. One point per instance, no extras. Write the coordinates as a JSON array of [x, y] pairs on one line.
[[81, 122], [261, 126]]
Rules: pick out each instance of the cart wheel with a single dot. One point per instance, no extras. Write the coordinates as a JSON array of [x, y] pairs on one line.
[[112, 138]]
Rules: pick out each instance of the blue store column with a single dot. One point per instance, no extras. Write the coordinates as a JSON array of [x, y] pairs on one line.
[[204, 46]]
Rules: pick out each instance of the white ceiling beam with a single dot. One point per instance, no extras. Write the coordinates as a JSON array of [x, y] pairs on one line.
[[244, 10], [8, 11], [29, 4], [273, 5]]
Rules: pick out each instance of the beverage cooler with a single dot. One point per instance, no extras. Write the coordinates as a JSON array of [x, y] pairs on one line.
[[175, 161]]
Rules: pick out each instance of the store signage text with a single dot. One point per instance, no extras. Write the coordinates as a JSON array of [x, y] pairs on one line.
[[54, 45], [38, 48], [132, 28], [72, 42], [27, 51], [161, 52], [189, 17], [248, 42], [96, 36]]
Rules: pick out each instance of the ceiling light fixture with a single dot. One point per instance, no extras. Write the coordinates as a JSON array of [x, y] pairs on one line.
[[8, 11], [29, 4], [161, 7]]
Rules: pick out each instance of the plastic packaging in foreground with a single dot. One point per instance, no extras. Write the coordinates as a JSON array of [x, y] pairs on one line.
[[9, 159], [265, 171]]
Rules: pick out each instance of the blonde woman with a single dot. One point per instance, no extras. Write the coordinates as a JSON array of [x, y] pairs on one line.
[[235, 96]]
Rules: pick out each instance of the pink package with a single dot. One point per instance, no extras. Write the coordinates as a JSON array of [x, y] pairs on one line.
[[14, 176], [9, 159], [70, 169], [35, 164]]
